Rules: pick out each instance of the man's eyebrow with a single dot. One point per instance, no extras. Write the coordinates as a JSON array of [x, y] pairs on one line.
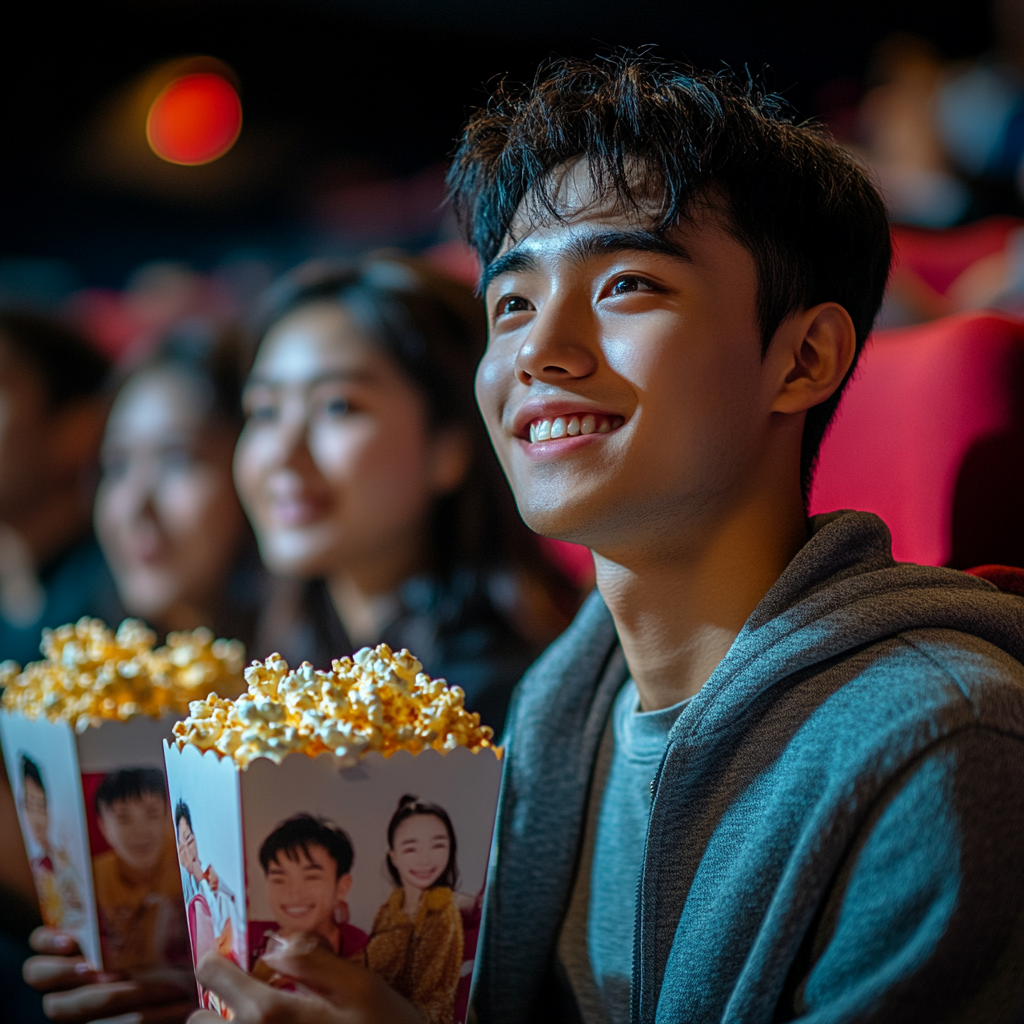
[[586, 247], [509, 262]]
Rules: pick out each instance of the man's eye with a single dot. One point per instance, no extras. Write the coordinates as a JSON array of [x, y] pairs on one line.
[[625, 285], [336, 407], [513, 304]]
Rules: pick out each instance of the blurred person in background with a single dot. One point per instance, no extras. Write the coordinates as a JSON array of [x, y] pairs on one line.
[[372, 488], [167, 517], [980, 108], [52, 407], [182, 555]]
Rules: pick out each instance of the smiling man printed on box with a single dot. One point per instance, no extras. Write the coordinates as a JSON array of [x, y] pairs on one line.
[[307, 863], [768, 773]]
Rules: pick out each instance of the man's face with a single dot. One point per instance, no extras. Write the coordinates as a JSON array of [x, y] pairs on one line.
[[638, 372], [136, 829], [37, 814], [188, 854], [305, 890]]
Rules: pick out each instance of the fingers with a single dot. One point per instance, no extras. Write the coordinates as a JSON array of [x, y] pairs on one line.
[[241, 992], [169, 1013], [49, 940], [344, 984], [113, 999], [54, 973], [303, 959]]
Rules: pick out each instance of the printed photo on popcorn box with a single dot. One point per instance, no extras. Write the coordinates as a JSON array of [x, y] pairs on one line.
[[82, 734], [384, 858]]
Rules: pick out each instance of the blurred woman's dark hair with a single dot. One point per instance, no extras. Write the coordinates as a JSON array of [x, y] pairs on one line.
[[69, 367], [434, 329], [210, 355]]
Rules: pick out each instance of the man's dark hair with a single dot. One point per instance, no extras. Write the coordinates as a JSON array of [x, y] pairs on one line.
[[30, 771], [814, 223], [302, 832], [129, 784], [181, 811], [69, 367]]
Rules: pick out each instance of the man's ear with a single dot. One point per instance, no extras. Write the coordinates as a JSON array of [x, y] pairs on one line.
[[813, 352], [450, 456], [344, 887]]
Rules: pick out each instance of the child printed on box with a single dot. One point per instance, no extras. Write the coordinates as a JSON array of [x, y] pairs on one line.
[[60, 899], [416, 944], [307, 862], [211, 906], [138, 886]]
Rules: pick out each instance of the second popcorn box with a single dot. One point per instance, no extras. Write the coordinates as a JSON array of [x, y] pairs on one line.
[[356, 804], [82, 734]]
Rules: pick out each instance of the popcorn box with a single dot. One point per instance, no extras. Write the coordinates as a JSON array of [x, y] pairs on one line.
[[381, 852], [98, 832], [82, 733]]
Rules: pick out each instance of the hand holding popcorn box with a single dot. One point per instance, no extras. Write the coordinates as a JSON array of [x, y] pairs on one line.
[[82, 737], [354, 805]]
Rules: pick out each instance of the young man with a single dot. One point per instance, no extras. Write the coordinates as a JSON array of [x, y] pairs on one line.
[[308, 866], [210, 905], [59, 891], [138, 886], [768, 774]]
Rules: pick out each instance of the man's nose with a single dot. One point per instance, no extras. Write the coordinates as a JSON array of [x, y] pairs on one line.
[[561, 344]]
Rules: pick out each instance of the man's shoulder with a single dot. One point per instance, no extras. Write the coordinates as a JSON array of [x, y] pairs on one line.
[[927, 672]]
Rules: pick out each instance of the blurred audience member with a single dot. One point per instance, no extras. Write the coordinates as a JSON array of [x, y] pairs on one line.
[[981, 114], [899, 129], [368, 479], [51, 419], [51, 569], [167, 517]]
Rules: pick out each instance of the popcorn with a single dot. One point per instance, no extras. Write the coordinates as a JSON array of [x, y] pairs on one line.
[[91, 674], [375, 700]]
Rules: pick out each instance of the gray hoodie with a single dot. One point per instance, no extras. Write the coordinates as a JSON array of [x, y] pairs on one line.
[[837, 827]]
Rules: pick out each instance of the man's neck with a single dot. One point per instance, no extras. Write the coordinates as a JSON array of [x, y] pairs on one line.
[[678, 608]]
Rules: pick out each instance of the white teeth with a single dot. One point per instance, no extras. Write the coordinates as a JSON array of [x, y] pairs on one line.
[[559, 427]]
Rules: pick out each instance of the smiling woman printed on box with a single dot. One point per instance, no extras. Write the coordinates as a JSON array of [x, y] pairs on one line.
[[416, 943]]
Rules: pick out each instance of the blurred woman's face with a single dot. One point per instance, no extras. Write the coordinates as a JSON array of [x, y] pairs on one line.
[[336, 466], [166, 512]]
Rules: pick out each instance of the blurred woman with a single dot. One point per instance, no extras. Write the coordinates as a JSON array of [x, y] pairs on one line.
[[369, 482], [166, 512]]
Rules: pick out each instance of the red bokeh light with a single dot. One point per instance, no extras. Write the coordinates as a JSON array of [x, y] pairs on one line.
[[194, 120]]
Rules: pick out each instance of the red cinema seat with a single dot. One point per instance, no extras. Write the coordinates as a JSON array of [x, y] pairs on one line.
[[930, 435]]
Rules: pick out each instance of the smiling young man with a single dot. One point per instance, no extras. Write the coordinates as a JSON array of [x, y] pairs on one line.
[[768, 774]]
